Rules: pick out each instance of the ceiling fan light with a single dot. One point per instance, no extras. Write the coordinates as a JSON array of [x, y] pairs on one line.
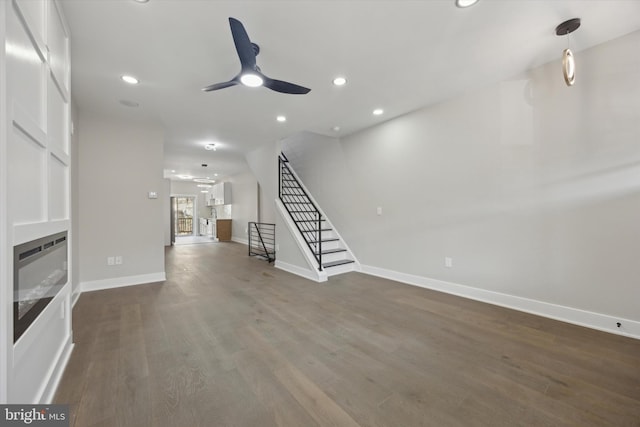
[[129, 79], [339, 81], [568, 67], [465, 3], [251, 80]]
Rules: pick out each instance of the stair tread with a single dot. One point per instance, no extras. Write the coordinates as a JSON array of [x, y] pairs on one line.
[[325, 240], [313, 231], [336, 263], [331, 251]]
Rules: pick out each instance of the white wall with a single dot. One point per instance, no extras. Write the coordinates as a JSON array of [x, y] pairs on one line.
[[263, 163], [244, 194], [166, 208], [120, 163], [532, 188]]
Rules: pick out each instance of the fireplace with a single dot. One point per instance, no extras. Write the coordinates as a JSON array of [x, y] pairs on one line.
[[39, 272]]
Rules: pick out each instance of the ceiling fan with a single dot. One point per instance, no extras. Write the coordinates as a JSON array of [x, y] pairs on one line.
[[250, 74]]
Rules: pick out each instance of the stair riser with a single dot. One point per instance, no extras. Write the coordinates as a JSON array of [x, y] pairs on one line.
[[300, 206], [312, 226], [329, 245], [340, 269], [334, 257]]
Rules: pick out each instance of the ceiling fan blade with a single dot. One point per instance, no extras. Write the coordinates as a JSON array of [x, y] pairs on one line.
[[285, 87], [243, 45], [220, 85]]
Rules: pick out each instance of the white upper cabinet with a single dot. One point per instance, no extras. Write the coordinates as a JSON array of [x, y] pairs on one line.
[[221, 193]]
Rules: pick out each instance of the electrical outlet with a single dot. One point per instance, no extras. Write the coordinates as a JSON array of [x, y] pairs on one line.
[[448, 262], [110, 260], [119, 260]]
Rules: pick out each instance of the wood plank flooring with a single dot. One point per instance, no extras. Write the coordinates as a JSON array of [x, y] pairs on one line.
[[229, 340]]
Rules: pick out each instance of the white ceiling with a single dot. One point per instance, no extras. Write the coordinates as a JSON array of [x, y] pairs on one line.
[[397, 55]]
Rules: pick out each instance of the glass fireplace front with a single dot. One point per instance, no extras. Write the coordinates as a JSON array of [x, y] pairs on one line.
[[39, 272]]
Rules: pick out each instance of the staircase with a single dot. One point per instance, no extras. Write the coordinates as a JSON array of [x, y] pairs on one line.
[[322, 240]]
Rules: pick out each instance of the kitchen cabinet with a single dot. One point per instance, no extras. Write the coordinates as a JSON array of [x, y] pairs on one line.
[[207, 227], [223, 230], [220, 194]]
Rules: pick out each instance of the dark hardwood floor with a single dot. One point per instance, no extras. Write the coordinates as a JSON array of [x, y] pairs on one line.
[[229, 340]]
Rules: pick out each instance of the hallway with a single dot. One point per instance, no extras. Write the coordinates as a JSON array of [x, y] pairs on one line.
[[230, 340]]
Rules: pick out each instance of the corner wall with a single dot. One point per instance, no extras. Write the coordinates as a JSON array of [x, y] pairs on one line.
[[530, 187], [120, 162], [244, 198]]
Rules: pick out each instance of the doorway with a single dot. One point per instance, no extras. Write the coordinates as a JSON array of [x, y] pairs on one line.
[[182, 216]]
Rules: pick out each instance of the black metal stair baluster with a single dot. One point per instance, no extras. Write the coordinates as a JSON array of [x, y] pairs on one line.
[[300, 208]]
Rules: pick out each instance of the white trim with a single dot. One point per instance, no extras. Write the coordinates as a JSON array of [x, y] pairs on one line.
[[36, 39], [23, 233], [300, 271], [51, 386], [601, 322], [342, 269], [118, 282], [75, 296], [27, 125]]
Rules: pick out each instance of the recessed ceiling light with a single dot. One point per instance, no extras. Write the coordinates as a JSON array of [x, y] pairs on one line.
[[204, 185], [185, 177], [203, 191], [378, 111], [129, 79], [251, 80], [210, 147], [215, 174], [141, 1], [203, 181], [336, 128], [465, 3], [339, 81], [281, 119], [173, 171]]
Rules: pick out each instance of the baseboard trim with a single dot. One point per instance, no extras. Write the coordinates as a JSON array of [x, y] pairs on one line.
[[239, 240], [119, 282], [598, 321], [51, 386], [75, 297], [302, 272]]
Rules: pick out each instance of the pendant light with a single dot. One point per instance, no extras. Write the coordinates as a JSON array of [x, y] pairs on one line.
[[568, 63]]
